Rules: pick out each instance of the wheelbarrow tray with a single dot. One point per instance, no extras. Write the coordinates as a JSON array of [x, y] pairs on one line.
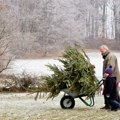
[[72, 93]]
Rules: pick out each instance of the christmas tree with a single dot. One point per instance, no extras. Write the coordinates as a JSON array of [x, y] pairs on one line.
[[77, 75]]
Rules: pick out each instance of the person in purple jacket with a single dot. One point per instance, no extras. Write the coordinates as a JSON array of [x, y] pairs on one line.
[[110, 89]]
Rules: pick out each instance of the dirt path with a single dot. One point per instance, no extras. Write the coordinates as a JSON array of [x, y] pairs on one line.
[[23, 107]]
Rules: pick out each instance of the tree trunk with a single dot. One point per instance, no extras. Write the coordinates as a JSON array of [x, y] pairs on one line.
[[104, 19]]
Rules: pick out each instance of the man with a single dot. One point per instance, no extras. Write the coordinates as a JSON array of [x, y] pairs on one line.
[[109, 60]]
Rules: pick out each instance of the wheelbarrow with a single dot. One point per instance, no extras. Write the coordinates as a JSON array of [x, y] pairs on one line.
[[68, 100]]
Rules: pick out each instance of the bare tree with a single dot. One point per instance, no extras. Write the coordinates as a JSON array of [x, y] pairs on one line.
[[5, 57], [5, 37], [42, 26]]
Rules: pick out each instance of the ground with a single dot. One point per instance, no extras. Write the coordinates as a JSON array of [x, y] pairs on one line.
[[21, 106]]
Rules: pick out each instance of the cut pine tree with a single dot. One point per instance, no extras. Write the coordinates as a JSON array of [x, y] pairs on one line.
[[77, 75]]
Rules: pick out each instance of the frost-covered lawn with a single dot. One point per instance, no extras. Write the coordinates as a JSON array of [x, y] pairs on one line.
[[21, 106]]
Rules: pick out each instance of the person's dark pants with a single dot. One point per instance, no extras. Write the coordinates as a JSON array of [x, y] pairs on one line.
[[115, 105], [107, 103]]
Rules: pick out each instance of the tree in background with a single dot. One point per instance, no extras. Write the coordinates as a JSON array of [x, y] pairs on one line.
[[5, 37], [42, 27]]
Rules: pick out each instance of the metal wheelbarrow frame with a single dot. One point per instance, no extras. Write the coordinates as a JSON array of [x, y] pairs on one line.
[[68, 102]]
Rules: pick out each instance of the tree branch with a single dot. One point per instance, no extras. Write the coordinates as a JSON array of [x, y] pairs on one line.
[[7, 64]]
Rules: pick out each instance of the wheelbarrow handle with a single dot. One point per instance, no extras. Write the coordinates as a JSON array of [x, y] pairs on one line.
[[101, 82], [90, 103]]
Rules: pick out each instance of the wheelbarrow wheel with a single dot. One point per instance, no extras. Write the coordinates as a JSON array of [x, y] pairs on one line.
[[67, 102]]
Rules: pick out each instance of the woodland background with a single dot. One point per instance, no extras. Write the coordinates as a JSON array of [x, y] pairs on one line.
[[35, 28]]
